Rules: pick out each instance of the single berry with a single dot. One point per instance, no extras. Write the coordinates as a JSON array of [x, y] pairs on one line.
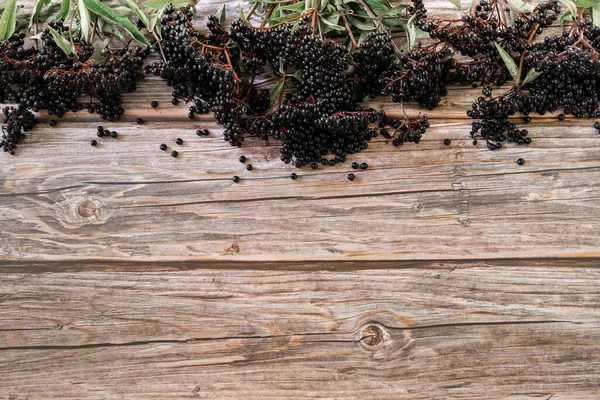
[[139, 121], [447, 142], [597, 125], [93, 143], [527, 119], [314, 165], [52, 122], [294, 176], [249, 167], [100, 128], [205, 132], [355, 165], [100, 133], [236, 178], [179, 141], [163, 147], [527, 140], [351, 177], [364, 165], [561, 117], [174, 102], [154, 104], [520, 161], [174, 153], [242, 159], [114, 134]]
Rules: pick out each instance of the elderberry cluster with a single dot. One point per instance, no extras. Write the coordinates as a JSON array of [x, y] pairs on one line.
[[48, 79]]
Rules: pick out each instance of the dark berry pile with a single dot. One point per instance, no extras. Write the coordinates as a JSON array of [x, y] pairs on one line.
[[51, 80]]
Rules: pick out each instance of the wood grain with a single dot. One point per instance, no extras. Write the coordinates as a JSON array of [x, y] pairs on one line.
[[463, 331], [442, 272]]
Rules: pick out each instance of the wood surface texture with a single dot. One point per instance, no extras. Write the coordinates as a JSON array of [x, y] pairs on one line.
[[444, 272]]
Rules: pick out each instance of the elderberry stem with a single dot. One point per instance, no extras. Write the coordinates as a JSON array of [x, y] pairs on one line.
[[348, 29], [522, 60]]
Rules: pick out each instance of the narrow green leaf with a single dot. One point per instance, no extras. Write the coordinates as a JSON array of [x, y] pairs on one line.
[[411, 32], [84, 19], [571, 6], [123, 11], [377, 6], [64, 9], [299, 6], [362, 37], [48, 10], [132, 5], [332, 21], [456, 3], [160, 4], [567, 16], [520, 5], [99, 49], [298, 74], [65, 45], [152, 20], [242, 16], [221, 15], [39, 4], [398, 9], [395, 21], [595, 15], [363, 26], [8, 21], [106, 12], [509, 62], [586, 3], [531, 76], [281, 67], [276, 89]]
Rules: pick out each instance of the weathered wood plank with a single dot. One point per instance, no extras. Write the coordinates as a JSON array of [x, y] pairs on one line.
[[471, 331], [63, 199]]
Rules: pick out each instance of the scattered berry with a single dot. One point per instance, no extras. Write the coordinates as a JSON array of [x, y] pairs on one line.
[[174, 153], [351, 177], [154, 104], [236, 178], [447, 142], [163, 147], [520, 161], [179, 141], [93, 143]]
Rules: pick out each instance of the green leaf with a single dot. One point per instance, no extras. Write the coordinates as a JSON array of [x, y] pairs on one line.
[[65, 45], [567, 16], [509, 62], [586, 3], [377, 6], [571, 6], [531, 76], [456, 3], [8, 21], [520, 5], [332, 21], [152, 20], [221, 15], [84, 19], [98, 50], [298, 75], [64, 9], [123, 11], [132, 5], [106, 12], [596, 15], [276, 89], [398, 9], [242, 16], [36, 11], [362, 37], [395, 21], [413, 33], [363, 26], [160, 4], [48, 10], [299, 6]]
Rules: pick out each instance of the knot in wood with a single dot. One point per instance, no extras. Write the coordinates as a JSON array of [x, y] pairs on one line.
[[372, 336], [87, 208]]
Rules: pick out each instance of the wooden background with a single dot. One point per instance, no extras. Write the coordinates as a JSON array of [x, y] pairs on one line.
[[444, 272]]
